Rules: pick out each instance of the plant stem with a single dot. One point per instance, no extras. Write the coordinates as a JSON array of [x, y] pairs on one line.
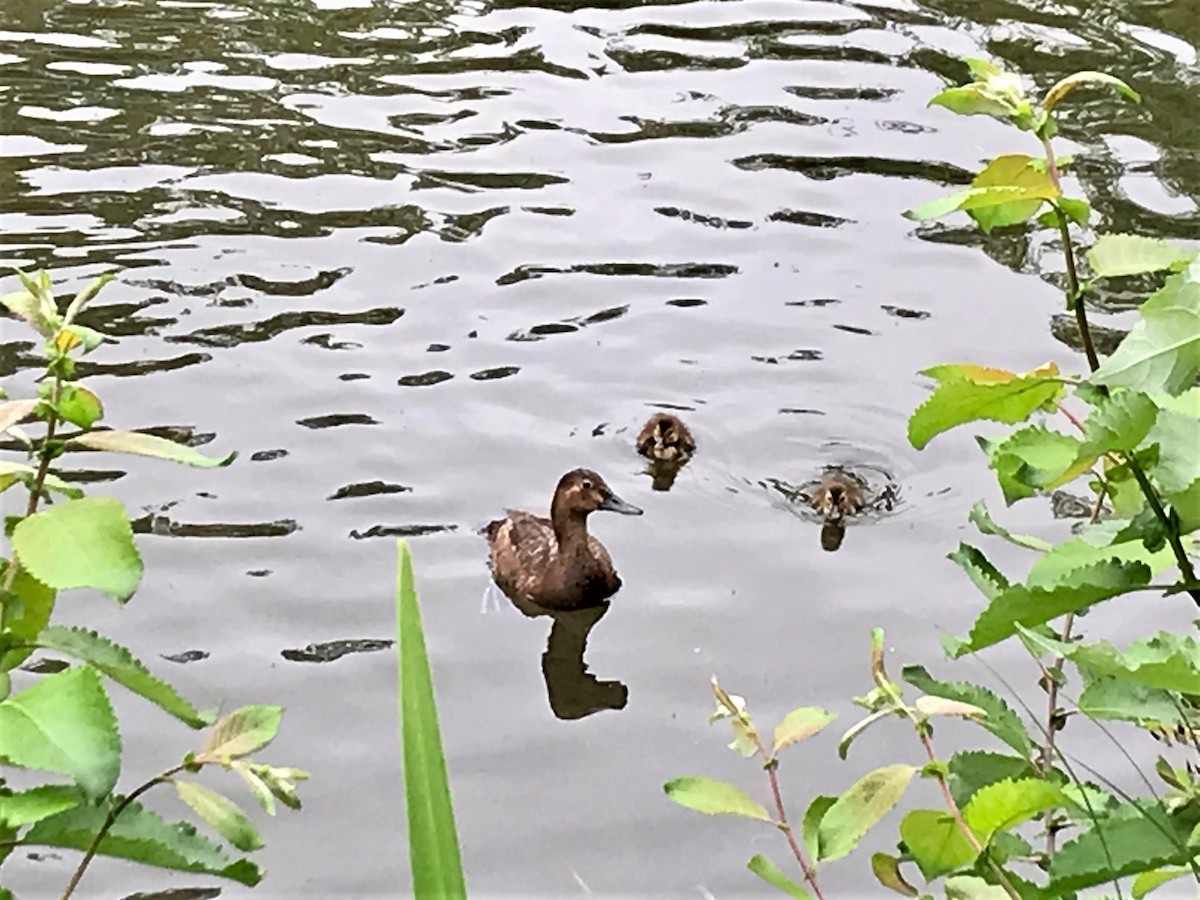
[[952, 806], [1075, 299], [1053, 675], [771, 764], [109, 821]]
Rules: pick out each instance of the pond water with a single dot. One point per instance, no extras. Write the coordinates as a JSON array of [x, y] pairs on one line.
[[415, 260]]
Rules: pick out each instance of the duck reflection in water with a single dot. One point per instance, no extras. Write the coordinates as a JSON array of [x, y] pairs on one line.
[[668, 444]]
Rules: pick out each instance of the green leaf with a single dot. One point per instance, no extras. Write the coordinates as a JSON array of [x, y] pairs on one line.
[[85, 296], [714, 798], [886, 869], [1118, 424], [769, 872], [935, 842], [1073, 555], [26, 306], [11, 473], [79, 406], [1022, 605], [1034, 459], [1014, 170], [1135, 840], [1079, 79], [64, 724], [89, 338], [434, 854], [1000, 719], [977, 198], [973, 100], [860, 808], [1112, 698], [259, 789], [1119, 255], [1077, 210], [39, 803], [1148, 882], [973, 769], [859, 727], [141, 836], [810, 827], [1006, 804], [122, 667], [1166, 661], [102, 553], [1177, 469], [13, 412], [148, 445], [982, 519], [968, 393], [242, 732], [279, 781], [990, 580], [1162, 351], [36, 603], [972, 887], [222, 814], [800, 724]]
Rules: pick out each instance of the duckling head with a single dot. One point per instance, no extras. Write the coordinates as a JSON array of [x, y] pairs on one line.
[[581, 492], [664, 437]]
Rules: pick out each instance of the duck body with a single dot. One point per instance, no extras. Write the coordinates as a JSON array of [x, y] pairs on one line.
[[665, 438], [839, 494], [554, 562]]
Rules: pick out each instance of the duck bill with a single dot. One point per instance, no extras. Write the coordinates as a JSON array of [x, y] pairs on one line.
[[613, 503]]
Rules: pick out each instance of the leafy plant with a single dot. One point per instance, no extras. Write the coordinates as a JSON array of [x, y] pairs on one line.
[[1131, 429], [63, 724], [432, 837]]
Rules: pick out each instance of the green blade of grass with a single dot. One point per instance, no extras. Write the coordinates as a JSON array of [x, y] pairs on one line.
[[432, 838]]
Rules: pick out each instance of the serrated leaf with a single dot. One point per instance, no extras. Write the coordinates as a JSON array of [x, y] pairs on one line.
[[30, 617], [968, 393], [972, 887], [79, 406], [1118, 424], [1162, 351], [800, 724], [935, 842], [102, 553], [242, 732], [1022, 605], [999, 719], [139, 444], [1165, 661], [122, 667], [810, 826], [141, 836], [64, 724], [990, 580], [1035, 459], [1006, 804], [27, 807], [225, 817], [1119, 255], [1147, 882], [770, 873], [714, 798], [886, 869], [1060, 562], [1111, 698], [860, 808], [982, 519], [1012, 170], [1080, 79], [1177, 469], [973, 769], [1135, 840]]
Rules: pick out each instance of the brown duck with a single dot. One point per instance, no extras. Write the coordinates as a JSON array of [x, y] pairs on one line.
[[554, 562], [838, 494], [666, 439]]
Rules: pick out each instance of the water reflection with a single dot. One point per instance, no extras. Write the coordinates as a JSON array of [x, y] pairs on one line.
[[572, 690]]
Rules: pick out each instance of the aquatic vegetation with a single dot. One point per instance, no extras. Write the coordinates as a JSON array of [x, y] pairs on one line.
[[63, 726], [1129, 428]]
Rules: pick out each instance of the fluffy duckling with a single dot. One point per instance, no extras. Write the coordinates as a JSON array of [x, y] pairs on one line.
[[838, 494], [554, 562], [666, 439]]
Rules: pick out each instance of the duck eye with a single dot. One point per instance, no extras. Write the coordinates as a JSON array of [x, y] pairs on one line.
[[587, 485]]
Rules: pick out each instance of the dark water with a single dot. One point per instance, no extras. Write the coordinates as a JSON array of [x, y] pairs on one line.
[[415, 260]]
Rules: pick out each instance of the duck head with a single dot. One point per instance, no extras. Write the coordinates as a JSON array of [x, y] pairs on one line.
[[664, 437], [582, 492]]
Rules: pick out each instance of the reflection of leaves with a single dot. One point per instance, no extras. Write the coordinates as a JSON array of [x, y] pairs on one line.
[[968, 393]]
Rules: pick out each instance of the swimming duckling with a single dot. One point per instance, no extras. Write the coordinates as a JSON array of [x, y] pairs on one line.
[[838, 494], [666, 439], [554, 562]]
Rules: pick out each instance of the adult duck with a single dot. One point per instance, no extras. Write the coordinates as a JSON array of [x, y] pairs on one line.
[[553, 562]]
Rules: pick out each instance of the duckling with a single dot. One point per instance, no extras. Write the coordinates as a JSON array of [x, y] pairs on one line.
[[666, 439], [839, 494], [554, 562]]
